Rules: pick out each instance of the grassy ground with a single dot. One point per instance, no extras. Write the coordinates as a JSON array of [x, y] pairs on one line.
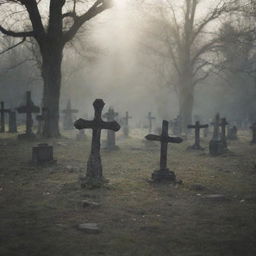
[[40, 207]]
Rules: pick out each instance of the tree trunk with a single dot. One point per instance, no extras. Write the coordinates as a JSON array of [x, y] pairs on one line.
[[51, 73], [186, 102]]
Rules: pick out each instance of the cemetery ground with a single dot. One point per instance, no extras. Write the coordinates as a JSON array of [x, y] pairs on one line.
[[213, 213]]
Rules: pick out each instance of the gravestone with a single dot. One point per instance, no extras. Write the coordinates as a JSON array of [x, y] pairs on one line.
[[150, 118], [223, 124], [68, 117], [232, 133], [176, 126], [216, 146], [28, 109], [12, 122], [94, 167], [3, 111], [81, 135], [164, 174], [111, 135], [197, 128], [40, 121], [253, 128], [42, 153], [126, 124]]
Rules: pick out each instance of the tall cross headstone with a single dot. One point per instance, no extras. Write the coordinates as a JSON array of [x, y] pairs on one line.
[[29, 108], [150, 118], [216, 146], [94, 166], [3, 111], [223, 124], [12, 122], [164, 174], [197, 128], [111, 135], [126, 124], [68, 116], [253, 128]]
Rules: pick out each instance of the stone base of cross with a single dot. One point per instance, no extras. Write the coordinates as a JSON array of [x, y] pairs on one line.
[[163, 175]]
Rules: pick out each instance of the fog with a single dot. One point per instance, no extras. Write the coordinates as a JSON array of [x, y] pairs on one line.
[[109, 60]]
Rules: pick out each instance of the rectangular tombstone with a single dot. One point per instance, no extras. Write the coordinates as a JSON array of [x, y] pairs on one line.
[[42, 153]]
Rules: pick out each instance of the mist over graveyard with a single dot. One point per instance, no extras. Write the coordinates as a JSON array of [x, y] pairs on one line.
[[127, 127]]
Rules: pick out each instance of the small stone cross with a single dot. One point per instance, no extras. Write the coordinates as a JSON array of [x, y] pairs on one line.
[[150, 118], [197, 128], [28, 109], [164, 174]]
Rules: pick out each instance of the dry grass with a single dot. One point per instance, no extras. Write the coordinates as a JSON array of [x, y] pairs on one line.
[[41, 206]]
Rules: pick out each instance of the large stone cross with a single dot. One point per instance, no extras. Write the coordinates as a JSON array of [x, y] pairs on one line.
[[3, 111], [253, 128], [111, 136], [197, 128], [150, 118], [94, 166], [164, 174], [68, 119], [126, 124], [28, 109]]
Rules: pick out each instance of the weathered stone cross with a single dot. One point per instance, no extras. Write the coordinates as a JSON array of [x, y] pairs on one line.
[[164, 174], [111, 136], [3, 111], [223, 124], [12, 122], [126, 124], [197, 128], [94, 166], [216, 146], [253, 128], [150, 118], [68, 120], [28, 109]]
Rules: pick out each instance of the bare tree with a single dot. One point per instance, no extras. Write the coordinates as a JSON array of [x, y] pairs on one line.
[[187, 40], [51, 32]]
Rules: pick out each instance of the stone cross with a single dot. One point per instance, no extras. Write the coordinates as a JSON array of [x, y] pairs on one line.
[[40, 119], [164, 174], [12, 122], [150, 118], [111, 136], [216, 146], [223, 124], [3, 111], [253, 128], [126, 124], [68, 119], [28, 109], [94, 166], [197, 128]]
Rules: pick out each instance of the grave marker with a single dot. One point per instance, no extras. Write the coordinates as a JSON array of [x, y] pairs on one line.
[[253, 128], [68, 116], [12, 122], [94, 166], [197, 128], [111, 135], [150, 118], [164, 174], [3, 111], [28, 109], [126, 124]]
